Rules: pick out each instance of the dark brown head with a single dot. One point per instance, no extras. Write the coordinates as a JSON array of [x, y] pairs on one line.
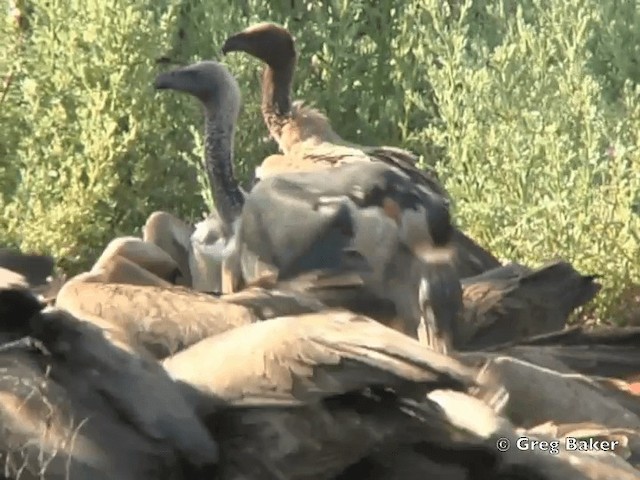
[[271, 43]]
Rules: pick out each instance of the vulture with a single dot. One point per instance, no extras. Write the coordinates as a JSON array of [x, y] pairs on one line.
[[336, 395], [170, 252], [197, 249], [324, 395], [569, 377], [206, 254], [163, 320], [134, 261], [173, 236], [358, 215], [501, 305], [546, 399], [603, 352], [552, 461], [78, 404], [308, 141], [513, 302], [158, 320], [306, 396]]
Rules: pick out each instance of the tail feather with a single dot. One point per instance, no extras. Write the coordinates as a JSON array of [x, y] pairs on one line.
[[561, 282], [613, 336], [470, 258], [512, 302], [606, 352]]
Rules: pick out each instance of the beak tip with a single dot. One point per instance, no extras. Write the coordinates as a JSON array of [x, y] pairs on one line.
[[161, 82], [232, 44]]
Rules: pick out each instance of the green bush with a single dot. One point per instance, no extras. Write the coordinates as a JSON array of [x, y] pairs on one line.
[[87, 150], [529, 110]]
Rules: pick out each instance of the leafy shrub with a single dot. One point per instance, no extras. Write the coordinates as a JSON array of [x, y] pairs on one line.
[[541, 140], [529, 110], [87, 151]]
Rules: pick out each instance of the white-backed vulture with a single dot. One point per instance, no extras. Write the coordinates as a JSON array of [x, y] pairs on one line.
[[132, 260], [513, 302], [197, 249], [308, 141], [572, 376], [174, 237], [606, 352], [159, 319], [300, 222], [171, 252], [472, 418], [165, 320], [303, 397], [318, 396], [78, 405]]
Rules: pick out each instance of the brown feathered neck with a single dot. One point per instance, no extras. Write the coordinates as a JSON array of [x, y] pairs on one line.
[[276, 96]]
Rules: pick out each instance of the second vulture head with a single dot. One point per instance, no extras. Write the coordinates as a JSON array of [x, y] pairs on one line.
[[208, 81], [268, 42]]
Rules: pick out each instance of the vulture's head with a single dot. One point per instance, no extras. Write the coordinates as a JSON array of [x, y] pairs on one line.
[[209, 81], [271, 43]]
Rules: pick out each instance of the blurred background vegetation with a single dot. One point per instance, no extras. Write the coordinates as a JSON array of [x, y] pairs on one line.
[[529, 109]]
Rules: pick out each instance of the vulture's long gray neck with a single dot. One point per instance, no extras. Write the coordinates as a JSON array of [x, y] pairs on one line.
[[218, 151], [276, 91]]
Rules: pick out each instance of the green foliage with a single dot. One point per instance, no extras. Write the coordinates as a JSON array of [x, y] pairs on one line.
[[87, 151], [541, 143], [529, 110]]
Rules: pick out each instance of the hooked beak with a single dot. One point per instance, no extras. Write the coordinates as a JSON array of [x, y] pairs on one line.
[[164, 81], [235, 43]]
